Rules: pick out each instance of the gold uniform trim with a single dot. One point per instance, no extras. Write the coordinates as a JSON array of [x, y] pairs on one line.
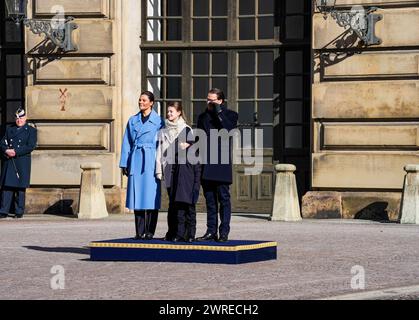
[[184, 247]]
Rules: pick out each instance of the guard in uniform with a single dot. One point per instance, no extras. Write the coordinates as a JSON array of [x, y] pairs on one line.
[[16, 148]]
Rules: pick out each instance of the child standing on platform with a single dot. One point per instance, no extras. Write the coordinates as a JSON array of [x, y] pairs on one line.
[[181, 178]]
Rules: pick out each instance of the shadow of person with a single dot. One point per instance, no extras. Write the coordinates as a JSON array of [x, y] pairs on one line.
[[254, 216], [376, 211], [61, 208], [85, 251]]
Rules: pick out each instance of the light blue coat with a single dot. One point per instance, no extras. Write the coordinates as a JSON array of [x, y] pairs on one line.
[[138, 155]]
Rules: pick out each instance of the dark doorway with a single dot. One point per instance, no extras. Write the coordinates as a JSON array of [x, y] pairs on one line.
[[293, 102], [12, 68]]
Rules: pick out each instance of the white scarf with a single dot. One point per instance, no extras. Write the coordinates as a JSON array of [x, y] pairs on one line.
[[173, 129], [167, 136]]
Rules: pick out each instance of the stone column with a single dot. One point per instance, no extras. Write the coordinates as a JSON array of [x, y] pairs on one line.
[[92, 203], [286, 206], [409, 211]]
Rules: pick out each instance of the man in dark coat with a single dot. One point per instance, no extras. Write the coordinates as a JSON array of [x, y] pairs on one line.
[[16, 148], [217, 177]]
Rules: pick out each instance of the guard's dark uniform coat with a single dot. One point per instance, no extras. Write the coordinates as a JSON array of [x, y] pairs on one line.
[[23, 140]]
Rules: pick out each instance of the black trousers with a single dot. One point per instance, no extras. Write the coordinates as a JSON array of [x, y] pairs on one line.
[[186, 220], [15, 197], [218, 199], [171, 219], [146, 222]]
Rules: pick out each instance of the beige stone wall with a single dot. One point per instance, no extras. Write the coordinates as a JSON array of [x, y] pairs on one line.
[[67, 89], [74, 136], [396, 64], [393, 29], [378, 3], [366, 101], [74, 70], [81, 101], [92, 8]]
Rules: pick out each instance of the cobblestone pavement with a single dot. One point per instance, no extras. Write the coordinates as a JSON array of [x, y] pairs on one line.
[[404, 297], [315, 260]]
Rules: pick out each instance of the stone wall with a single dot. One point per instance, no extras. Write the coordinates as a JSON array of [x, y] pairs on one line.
[[81, 101], [365, 108]]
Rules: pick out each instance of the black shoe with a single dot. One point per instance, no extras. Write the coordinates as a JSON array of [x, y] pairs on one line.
[[148, 236], [3, 216], [168, 238], [191, 240], [18, 217], [223, 239], [137, 238], [178, 239], [208, 237]]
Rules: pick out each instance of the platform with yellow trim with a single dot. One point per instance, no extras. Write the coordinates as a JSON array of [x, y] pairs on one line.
[[231, 252]]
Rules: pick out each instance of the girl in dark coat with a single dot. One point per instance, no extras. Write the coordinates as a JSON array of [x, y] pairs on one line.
[[181, 178]]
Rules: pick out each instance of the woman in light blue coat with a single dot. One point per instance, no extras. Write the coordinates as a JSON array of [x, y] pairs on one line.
[[138, 163]]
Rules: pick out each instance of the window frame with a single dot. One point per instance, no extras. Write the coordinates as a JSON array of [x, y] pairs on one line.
[[299, 156], [232, 45]]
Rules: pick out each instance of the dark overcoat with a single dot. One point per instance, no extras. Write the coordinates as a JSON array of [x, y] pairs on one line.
[[185, 177], [226, 119], [23, 140]]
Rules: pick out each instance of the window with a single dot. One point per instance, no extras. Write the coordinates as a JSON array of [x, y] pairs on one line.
[[209, 19], [257, 51], [208, 50], [256, 19], [164, 77], [164, 20], [256, 89], [209, 70], [296, 20]]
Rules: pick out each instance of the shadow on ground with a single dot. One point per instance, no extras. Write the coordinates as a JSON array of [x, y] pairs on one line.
[[253, 216], [85, 251]]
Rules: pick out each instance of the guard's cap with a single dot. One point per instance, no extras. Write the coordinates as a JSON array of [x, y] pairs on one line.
[[20, 113]]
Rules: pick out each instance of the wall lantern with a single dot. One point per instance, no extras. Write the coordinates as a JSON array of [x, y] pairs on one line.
[[361, 21], [59, 31]]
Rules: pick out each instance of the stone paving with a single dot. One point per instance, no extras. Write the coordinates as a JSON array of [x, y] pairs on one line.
[[315, 260]]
